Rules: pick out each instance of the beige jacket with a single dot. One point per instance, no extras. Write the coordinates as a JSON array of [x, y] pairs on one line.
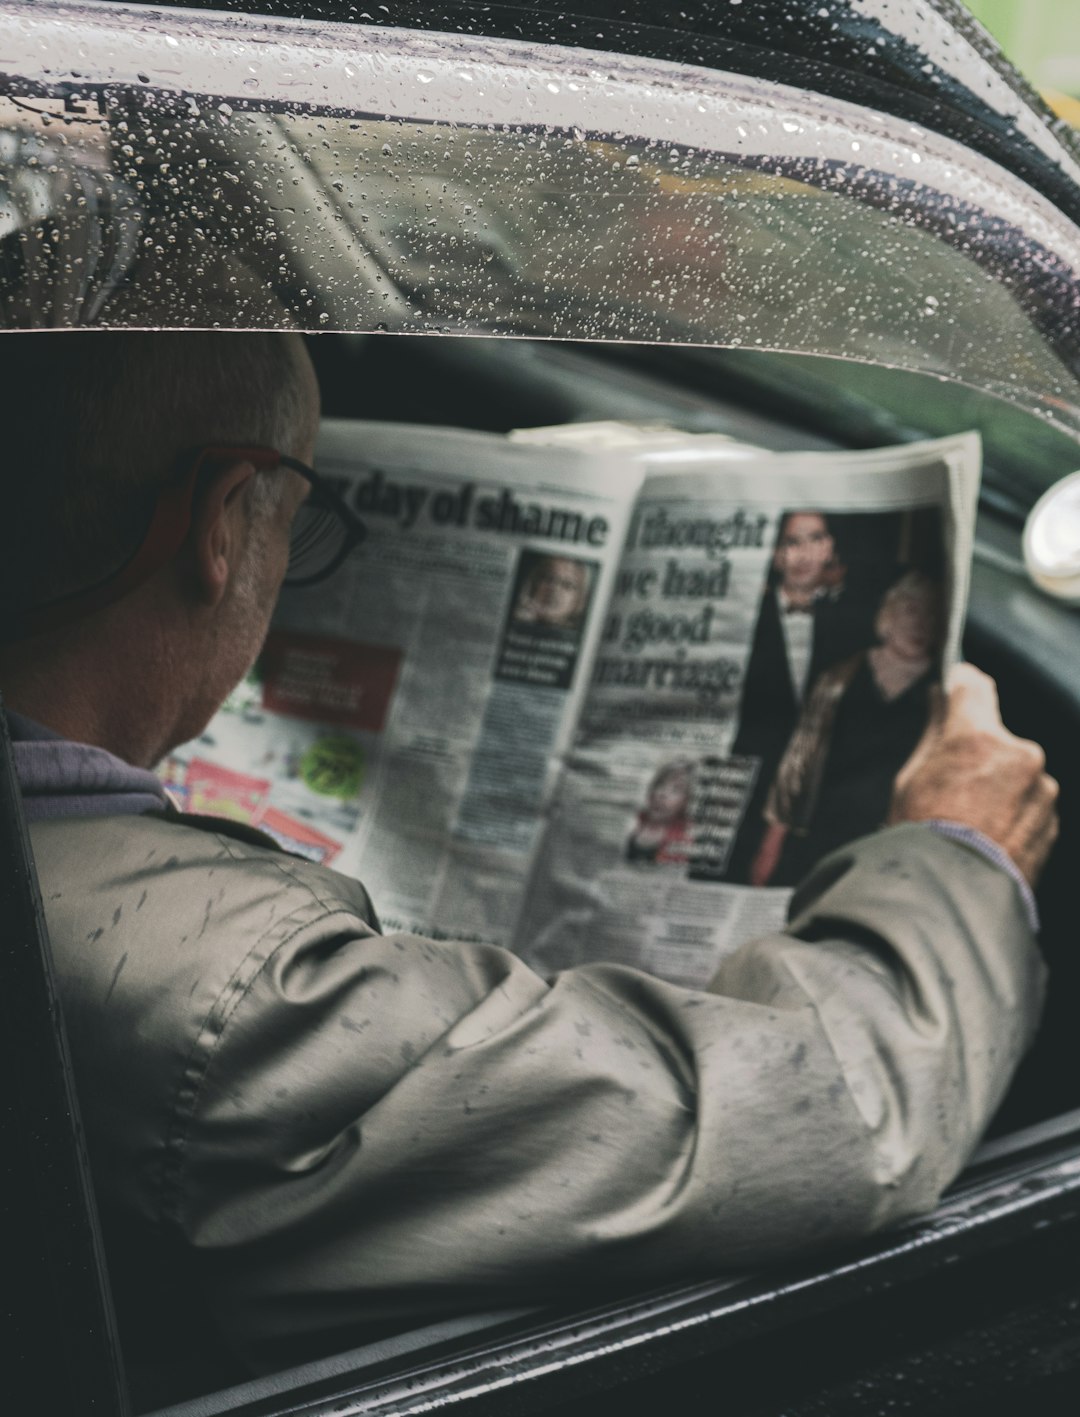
[[325, 1128]]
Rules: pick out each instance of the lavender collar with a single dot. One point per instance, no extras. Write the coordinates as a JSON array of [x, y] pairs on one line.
[[60, 778]]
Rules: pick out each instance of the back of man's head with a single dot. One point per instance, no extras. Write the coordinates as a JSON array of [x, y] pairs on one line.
[[96, 422]]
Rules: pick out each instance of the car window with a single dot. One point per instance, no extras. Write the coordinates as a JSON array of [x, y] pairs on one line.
[[335, 179]]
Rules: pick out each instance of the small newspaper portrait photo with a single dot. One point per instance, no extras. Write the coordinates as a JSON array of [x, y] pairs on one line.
[[663, 831], [549, 608], [552, 591]]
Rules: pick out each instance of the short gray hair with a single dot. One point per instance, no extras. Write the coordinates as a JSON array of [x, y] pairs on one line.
[[96, 422]]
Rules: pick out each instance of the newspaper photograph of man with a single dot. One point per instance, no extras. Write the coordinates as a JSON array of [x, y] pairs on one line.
[[810, 616], [859, 723], [663, 830], [549, 606]]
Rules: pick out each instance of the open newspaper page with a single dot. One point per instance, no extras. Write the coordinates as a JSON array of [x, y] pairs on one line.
[[407, 719], [766, 666]]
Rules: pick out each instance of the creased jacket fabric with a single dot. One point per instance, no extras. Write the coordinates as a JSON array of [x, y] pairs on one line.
[[329, 1128]]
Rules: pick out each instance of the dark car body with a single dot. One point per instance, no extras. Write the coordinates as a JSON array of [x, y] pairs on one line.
[[858, 227]]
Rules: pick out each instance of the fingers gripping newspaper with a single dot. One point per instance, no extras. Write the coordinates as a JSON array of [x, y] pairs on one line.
[[599, 695]]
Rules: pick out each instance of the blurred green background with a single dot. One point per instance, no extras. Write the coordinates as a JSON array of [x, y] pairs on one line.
[[1042, 38]]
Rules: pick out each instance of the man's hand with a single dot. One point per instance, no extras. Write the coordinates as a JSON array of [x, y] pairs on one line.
[[969, 768]]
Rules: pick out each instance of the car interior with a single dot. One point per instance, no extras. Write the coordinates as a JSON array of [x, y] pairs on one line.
[[1029, 643]]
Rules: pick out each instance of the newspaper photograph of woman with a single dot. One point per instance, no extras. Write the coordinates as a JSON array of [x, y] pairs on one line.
[[858, 725], [663, 831]]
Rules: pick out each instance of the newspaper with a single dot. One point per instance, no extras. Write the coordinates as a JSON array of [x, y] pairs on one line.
[[598, 693]]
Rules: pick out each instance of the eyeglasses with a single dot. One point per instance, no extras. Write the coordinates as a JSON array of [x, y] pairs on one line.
[[324, 529], [324, 532]]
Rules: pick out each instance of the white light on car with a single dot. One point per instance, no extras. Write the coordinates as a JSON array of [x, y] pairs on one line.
[[1052, 540]]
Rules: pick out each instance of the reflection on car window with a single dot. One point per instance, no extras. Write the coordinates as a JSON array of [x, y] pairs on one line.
[[705, 211]]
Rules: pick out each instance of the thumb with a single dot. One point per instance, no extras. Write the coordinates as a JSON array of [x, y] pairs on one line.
[[972, 700]]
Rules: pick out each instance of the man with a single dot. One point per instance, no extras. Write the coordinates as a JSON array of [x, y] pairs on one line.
[[302, 1130], [806, 623]]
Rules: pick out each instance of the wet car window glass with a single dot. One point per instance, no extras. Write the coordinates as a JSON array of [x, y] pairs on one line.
[[757, 219]]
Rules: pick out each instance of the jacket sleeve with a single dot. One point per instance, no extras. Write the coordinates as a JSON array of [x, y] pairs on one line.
[[392, 1128]]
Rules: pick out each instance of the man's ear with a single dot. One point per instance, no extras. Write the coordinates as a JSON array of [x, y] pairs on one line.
[[219, 529]]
